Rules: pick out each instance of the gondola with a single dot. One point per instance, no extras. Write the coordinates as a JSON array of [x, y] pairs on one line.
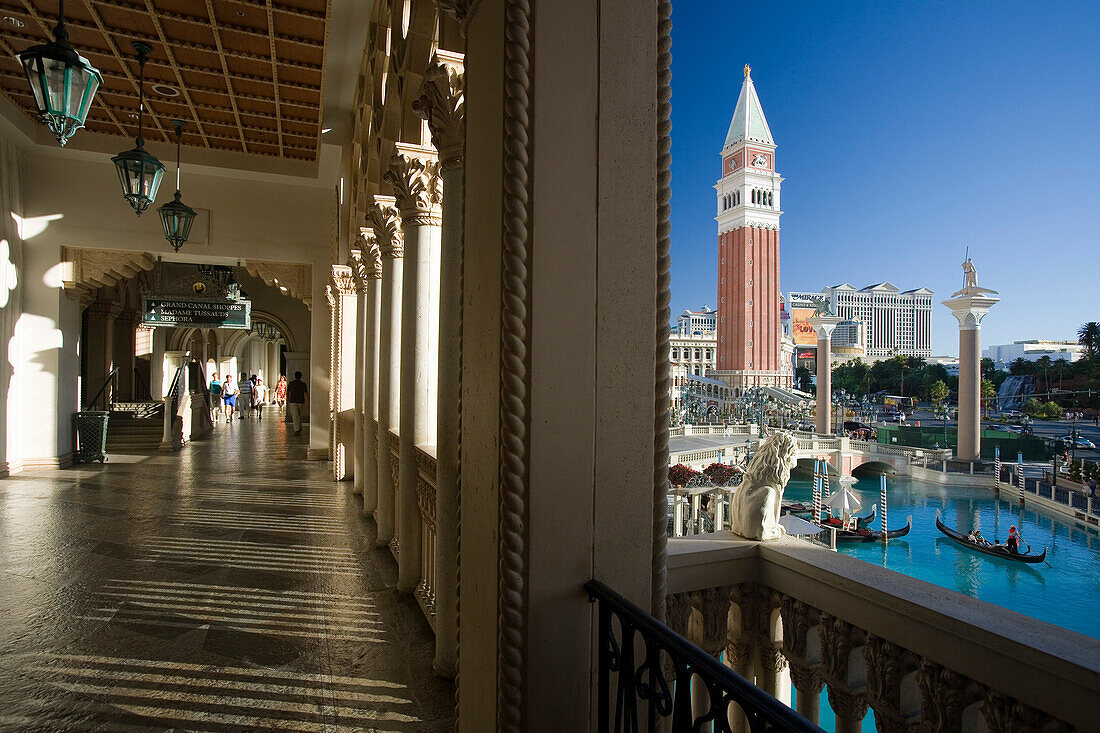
[[861, 522], [796, 507], [1000, 551], [872, 535]]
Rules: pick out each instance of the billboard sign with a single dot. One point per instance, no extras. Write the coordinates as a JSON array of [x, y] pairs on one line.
[[802, 307], [189, 313]]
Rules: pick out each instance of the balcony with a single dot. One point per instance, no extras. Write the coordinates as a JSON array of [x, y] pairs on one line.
[[790, 614]]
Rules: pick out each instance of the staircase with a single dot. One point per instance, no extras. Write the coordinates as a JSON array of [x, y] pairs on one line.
[[135, 426]]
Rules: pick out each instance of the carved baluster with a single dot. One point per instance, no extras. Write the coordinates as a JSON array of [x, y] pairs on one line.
[[943, 697], [1003, 714], [887, 666], [710, 629], [798, 618], [838, 641], [770, 660]]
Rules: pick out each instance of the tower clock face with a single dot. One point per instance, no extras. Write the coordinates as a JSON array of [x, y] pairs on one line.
[[760, 160]]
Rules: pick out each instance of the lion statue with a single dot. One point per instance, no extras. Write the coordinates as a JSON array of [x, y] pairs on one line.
[[754, 512]]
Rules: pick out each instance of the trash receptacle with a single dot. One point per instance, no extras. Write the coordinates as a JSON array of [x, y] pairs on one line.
[[91, 435]]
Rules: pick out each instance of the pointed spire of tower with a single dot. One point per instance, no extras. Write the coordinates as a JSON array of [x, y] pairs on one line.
[[748, 118]]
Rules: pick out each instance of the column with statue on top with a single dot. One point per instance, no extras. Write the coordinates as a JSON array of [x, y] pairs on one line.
[[969, 306]]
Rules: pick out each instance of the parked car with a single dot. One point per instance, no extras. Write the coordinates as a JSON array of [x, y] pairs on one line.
[[1011, 414]]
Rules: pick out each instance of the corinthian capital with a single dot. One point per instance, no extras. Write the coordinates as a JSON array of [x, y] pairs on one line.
[[383, 218], [442, 102], [370, 254], [343, 280], [415, 181], [458, 9]]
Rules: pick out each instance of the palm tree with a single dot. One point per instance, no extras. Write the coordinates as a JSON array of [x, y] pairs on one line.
[[1089, 337], [1020, 366], [1043, 362]]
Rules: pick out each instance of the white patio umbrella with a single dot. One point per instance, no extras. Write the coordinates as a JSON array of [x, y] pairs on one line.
[[797, 525], [844, 501]]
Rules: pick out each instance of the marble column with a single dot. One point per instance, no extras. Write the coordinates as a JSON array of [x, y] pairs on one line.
[[824, 326], [355, 259], [413, 173], [343, 371], [969, 308], [99, 350], [371, 264], [384, 219], [125, 344], [442, 103]]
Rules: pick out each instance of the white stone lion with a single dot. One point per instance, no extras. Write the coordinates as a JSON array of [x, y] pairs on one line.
[[754, 512]]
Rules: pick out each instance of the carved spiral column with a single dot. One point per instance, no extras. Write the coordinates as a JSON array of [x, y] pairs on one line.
[[372, 280], [384, 219], [414, 178], [838, 641], [442, 103], [798, 619], [343, 370]]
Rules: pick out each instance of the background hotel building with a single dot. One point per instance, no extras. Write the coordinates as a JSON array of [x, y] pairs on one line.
[[892, 322]]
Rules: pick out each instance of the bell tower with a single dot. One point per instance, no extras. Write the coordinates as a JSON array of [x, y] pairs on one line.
[[749, 328]]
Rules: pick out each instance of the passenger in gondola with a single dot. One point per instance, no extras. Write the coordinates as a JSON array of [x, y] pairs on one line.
[[1013, 540]]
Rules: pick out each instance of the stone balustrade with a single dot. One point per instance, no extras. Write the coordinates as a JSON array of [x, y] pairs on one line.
[[920, 657], [426, 500]]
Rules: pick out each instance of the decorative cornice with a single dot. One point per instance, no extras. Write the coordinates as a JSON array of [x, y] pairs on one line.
[[442, 103], [415, 182], [384, 220], [83, 271], [291, 278]]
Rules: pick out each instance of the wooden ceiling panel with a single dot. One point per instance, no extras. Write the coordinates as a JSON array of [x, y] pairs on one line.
[[250, 71]]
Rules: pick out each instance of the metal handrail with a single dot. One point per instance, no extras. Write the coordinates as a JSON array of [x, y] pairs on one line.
[[145, 387], [109, 380], [643, 682]]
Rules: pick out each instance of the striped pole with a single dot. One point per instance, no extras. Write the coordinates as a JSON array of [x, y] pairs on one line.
[[817, 493], [882, 505], [825, 481], [1020, 474], [997, 470]]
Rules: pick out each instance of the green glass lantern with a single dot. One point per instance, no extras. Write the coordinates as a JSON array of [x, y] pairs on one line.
[[63, 82], [176, 216], [138, 171]]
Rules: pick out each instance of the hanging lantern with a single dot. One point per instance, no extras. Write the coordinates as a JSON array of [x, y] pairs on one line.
[[64, 83], [138, 171], [176, 216]]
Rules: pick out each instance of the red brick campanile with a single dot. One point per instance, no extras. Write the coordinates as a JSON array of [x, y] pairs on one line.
[[749, 329]]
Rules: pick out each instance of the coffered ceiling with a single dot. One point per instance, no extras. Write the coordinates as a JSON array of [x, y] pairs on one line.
[[247, 75]]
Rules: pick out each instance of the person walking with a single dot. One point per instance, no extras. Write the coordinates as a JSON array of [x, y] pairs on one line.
[[280, 392], [229, 397], [244, 398], [259, 396], [215, 397], [296, 396]]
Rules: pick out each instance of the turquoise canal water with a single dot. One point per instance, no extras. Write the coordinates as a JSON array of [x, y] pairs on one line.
[[1067, 593]]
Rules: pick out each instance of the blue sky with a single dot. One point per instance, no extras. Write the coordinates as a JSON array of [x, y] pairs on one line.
[[906, 132]]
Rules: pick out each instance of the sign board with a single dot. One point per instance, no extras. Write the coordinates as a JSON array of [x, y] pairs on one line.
[[802, 307], [197, 313]]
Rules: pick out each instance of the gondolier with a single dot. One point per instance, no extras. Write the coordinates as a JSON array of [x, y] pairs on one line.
[[1002, 551]]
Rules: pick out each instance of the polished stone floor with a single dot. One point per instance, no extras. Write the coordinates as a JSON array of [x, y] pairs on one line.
[[232, 586]]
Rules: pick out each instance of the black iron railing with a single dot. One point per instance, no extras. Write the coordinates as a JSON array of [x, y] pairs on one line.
[[654, 669]]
